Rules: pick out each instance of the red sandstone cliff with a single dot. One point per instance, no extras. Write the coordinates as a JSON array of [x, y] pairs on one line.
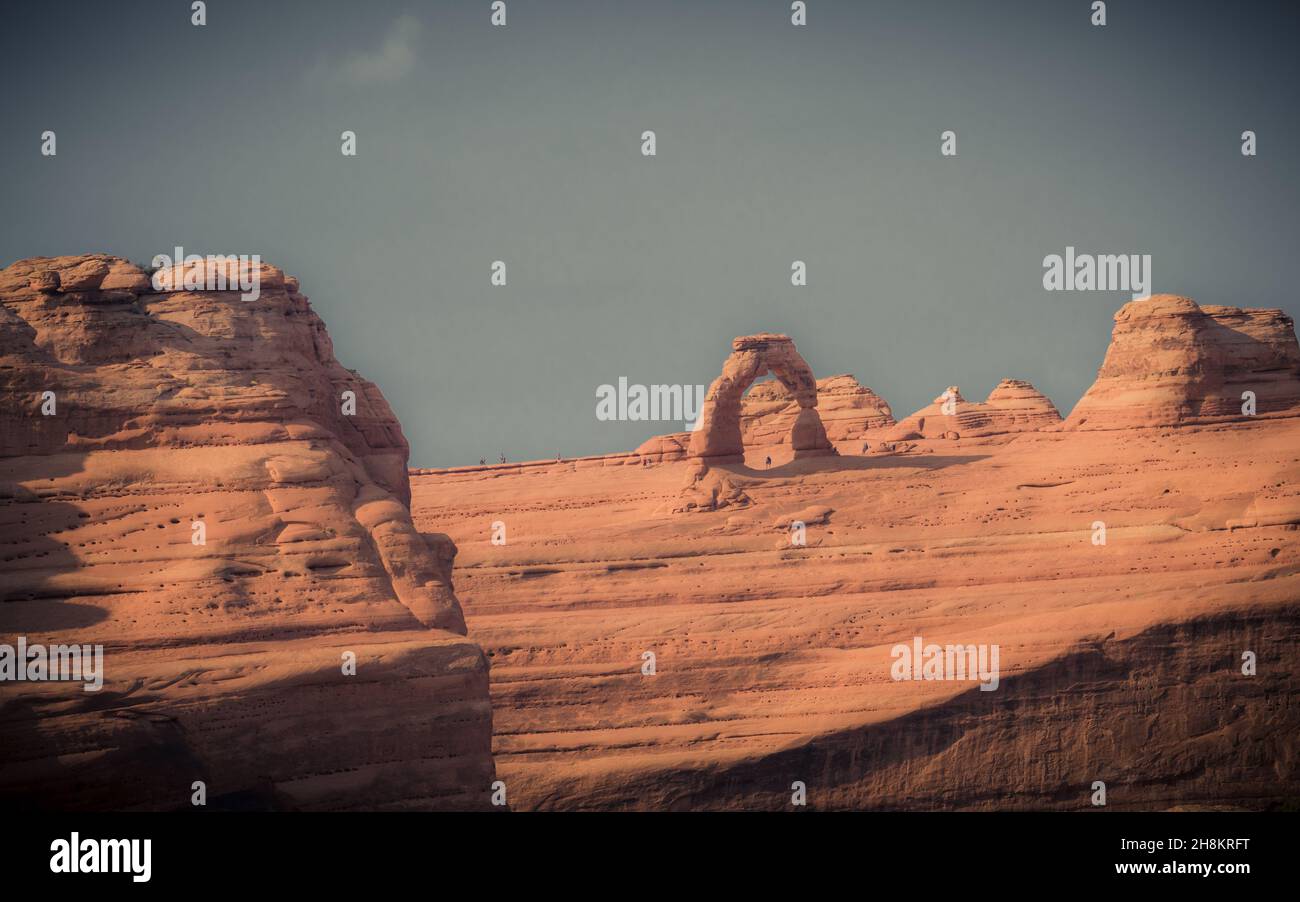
[[180, 415]]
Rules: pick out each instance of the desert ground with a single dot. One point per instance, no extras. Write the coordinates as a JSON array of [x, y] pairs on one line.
[[1120, 662]]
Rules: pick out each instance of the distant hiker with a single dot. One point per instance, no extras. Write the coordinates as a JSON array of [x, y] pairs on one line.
[[769, 460]]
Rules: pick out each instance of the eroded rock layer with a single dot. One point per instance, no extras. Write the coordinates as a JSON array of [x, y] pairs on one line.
[[848, 410], [193, 482], [1172, 362], [1127, 577], [1119, 662], [718, 437], [1013, 406]]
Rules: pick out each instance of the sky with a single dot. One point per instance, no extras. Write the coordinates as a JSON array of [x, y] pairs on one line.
[[774, 143]]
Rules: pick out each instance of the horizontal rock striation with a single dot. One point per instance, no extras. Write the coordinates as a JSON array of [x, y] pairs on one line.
[[1123, 574], [1143, 728], [772, 660], [193, 481], [1172, 362], [1013, 406], [665, 448]]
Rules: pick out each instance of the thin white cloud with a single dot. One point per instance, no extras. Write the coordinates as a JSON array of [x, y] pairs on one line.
[[391, 61]]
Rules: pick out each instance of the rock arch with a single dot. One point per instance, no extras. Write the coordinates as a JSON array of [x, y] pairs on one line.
[[718, 437]]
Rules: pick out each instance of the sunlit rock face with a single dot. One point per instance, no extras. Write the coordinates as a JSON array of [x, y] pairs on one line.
[[718, 438], [1127, 575], [1014, 405], [847, 409], [194, 482], [1172, 362]]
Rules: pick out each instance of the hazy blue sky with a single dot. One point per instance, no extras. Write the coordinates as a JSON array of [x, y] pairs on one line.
[[775, 143]]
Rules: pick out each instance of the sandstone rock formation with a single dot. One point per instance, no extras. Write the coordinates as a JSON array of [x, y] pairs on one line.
[[848, 410], [707, 489], [665, 448], [1013, 406], [194, 482], [770, 615], [1172, 362], [1119, 661], [718, 439]]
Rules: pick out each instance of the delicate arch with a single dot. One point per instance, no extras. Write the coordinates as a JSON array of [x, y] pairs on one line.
[[718, 439]]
